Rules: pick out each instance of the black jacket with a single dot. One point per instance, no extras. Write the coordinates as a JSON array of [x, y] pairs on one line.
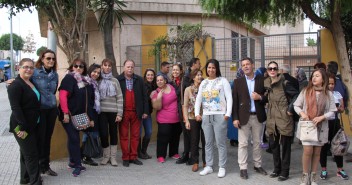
[[25, 106], [140, 93]]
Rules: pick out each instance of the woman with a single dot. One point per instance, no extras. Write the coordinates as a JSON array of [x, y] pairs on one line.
[[76, 96], [279, 123], [334, 127], [195, 127], [302, 79], [111, 106], [24, 121], [215, 96], [177, 82], [150, 85], [314, 103], [45, 79], [164, 100], [94, 77]]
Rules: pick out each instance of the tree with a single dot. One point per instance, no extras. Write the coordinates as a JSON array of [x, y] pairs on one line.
[[29, 44], [40, 50], [107, 13], [326, 13], [5, 42], [311, 42]]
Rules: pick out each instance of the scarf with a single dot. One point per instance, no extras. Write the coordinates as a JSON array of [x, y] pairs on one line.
[[106, 88], [178, 81], [315, 105], [97, 95], [82, 81]]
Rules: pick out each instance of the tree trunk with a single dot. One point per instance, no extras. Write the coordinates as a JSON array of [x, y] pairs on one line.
[[109, 47], [341, 51]]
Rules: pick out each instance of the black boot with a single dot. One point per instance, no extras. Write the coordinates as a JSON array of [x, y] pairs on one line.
[[145, 144], [139, 149], [183, 159]]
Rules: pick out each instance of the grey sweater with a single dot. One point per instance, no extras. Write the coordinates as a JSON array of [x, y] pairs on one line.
[[113, 103]]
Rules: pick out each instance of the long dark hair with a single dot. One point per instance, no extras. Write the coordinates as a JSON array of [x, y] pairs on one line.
[[39, 62], [145, 77], [217, 66], [92, 68]]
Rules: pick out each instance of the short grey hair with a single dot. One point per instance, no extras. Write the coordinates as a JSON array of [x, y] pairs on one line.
[[286, 68]]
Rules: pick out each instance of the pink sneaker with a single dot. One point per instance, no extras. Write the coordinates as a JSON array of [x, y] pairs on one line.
[[161, 159], [176, 156]]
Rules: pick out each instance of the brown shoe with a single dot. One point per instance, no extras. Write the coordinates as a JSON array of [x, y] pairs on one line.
[[195, 167], [204, 165]]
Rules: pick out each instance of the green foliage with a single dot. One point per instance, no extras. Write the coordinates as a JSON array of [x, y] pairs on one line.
[[40, 50], [5, 42], [311, 42]]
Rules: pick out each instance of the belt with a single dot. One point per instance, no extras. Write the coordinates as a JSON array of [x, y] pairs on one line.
[[252, 113]]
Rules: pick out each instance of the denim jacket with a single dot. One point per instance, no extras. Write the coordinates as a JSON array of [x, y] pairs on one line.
[[46, 83]]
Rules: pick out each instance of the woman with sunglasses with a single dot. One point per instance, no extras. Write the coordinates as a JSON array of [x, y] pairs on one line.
[[279, 123], [24, 121], [76, 97], [45, 79], [150, 84], [111, 102]]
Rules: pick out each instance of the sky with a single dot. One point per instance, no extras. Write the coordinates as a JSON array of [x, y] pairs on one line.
[[23, 24]]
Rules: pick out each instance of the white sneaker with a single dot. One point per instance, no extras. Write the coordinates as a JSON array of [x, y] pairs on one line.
[[206, 171], [222, 172]]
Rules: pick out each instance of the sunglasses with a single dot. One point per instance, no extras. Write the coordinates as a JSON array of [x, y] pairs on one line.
[[49, 58], [79, 66], [27, 67], [272, 68]]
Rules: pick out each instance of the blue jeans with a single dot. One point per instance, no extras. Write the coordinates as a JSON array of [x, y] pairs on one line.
[[95, 135], [147, 125]]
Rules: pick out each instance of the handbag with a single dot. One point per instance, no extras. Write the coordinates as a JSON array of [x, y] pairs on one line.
[[340, 142], [309, 132], [81, 121], [92, 146]]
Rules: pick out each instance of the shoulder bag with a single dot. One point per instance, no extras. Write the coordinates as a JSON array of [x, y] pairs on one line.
[[340, 142], [308, 131], [81, 121]]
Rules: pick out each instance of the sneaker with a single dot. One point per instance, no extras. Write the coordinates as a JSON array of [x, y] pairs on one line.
[[324, 174], [342, 174], [161, 159], [71, 165], [206, 170], [176, 156], [82, 168], [222, 172], [264, 145], [313, 179], [76, 172], [305, 179]]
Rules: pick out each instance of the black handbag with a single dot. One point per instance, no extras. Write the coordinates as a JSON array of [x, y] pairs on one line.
[[92, 147]]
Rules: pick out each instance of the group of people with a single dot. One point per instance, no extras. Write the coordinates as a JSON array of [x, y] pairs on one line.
[[184, 103]]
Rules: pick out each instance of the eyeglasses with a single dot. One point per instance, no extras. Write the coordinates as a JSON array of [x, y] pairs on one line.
[[27, 67], [49, 58], [272, 68], [79, 66]]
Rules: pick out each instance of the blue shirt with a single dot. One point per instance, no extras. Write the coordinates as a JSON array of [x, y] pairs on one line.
[[129, 84], [46, 84], [250, 85]]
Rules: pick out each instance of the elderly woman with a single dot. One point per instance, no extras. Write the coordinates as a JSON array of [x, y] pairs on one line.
[[315, 103], [25, 105], [45, 78], [76, 97], [164, 100]]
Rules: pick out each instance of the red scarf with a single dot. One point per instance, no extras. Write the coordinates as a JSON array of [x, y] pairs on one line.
[[178, 81]]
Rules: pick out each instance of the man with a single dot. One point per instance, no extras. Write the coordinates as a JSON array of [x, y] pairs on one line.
[[248, 114], [164, 70], [193, 64], [134, 110]]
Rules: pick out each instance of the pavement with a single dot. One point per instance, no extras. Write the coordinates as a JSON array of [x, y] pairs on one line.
[[151, 172]]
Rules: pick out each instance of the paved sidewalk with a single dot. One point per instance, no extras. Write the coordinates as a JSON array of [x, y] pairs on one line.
[[151, 172]]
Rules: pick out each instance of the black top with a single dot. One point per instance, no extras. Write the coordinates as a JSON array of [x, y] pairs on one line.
[[25, 106], [140, 93], [149, 88], [77, 98]]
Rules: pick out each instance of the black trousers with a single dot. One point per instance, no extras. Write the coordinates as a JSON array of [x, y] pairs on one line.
[[108, 126], [196, 135], [334, 126], [29, 159], [186, 140], [281, 147], [168, 135], [45, 131]]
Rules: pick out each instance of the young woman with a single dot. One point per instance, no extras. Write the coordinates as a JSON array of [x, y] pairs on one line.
[[94, 76], [334, 126], [215, 96], [195, 127], [25, 105], [150, 85], [164, 100], [45, 78], [279, 123], [111, 106], [315, 103], [76, 97]]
